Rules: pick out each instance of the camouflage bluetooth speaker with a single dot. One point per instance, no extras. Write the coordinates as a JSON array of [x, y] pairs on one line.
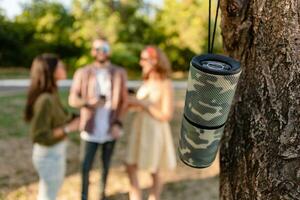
[[211, 87]]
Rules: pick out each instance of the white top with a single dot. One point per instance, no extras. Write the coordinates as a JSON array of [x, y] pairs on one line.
[[100, 133]]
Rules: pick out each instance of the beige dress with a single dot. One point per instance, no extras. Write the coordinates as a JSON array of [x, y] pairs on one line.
[[150, 140]]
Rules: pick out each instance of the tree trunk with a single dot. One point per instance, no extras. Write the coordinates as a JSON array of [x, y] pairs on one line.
[[260, 152]]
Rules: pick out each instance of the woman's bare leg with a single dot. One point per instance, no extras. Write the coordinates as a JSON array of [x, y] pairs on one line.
[[135, 191], [156, 188]]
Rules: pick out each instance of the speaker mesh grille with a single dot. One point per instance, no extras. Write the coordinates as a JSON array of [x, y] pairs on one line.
[[209, 97]]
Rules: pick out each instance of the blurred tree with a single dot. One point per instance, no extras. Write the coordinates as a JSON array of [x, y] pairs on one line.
[[52, 26], [126, 27], [184, 25], [136, 30], [179, 28], [14, 38], [92, 18]]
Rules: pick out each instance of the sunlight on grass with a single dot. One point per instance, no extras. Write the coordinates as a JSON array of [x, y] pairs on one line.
[[191, 182]]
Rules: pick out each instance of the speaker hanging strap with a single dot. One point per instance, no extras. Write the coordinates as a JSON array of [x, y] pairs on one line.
[[211, 43]]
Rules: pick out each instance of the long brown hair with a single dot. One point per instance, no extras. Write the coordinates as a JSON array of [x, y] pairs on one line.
[[42, 80], [163, 66]]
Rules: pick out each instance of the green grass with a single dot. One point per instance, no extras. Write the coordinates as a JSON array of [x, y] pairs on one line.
[[23, 73], [12, 114], [11, 118], [13, 73]]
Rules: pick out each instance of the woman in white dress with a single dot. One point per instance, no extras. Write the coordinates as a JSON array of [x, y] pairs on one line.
[[150, 145]]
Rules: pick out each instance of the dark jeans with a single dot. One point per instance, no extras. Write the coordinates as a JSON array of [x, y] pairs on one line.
[[88, 155]]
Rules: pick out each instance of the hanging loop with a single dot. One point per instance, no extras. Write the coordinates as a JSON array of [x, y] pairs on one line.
[[211, 42]]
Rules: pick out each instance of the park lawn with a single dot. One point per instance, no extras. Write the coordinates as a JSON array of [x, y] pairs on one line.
[[14, 73], [12, 114], [11, 118], [23, 73], [18, 179]]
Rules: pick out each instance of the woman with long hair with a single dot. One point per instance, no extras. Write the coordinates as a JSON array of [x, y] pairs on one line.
[[150, 142], [49, 124]]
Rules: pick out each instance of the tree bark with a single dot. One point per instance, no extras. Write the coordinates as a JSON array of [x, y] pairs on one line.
[[260, 152]]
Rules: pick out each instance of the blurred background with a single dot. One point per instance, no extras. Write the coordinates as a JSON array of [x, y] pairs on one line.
[[29, 27], [66, 27]]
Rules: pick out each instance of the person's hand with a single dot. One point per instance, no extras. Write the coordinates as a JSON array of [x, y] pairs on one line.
[[73, 125], [134, 102], [95, 103], [116, 131], [62, 131]]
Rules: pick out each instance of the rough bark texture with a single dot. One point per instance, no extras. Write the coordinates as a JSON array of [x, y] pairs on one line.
[[260, 153]]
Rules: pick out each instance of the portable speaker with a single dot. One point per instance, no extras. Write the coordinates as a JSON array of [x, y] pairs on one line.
[[211, 87]]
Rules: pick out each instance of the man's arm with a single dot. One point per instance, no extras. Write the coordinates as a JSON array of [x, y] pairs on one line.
[[124, 94], [117, 126], [75, 99]]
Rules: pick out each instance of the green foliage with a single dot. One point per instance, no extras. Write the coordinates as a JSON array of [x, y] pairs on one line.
[[126, 54], [42, 27], [13, 37], [184, 25], [12, 122], [179, 28]]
